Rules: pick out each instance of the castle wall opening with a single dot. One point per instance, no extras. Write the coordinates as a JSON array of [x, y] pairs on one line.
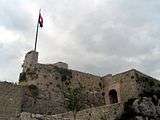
[[113, 96]]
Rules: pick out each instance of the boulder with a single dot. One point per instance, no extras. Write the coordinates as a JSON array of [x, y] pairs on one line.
[[144, 107]]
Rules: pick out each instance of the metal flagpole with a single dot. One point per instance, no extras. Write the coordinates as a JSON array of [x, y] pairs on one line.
[[35, 46]]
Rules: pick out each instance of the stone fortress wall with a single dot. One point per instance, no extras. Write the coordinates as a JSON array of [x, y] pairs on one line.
[[96, 113], [10, 101], [49, 78], [124, 84], [40, 89], [48, 98]]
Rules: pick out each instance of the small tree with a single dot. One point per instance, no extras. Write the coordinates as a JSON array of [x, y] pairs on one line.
[[75, 99], [103, 116]]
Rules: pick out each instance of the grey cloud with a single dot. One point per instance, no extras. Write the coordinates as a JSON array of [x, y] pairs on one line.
[[13, 16], [104, 36], [98, 35]]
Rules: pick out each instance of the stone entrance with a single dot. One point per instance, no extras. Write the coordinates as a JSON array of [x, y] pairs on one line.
[[113, 96]]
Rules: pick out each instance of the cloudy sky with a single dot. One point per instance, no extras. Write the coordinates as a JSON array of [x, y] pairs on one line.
[[95, 36]]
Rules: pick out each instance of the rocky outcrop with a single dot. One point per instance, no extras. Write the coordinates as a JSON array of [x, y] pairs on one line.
[[144, 108]]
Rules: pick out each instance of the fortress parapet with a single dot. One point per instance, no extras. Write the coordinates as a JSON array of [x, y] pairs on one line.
[[61, 65], [31, 60]]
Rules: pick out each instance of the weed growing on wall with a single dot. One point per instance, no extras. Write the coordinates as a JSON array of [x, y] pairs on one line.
[[102, 116], [75, 99]]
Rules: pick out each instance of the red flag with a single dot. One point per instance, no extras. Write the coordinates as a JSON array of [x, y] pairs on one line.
[[40, 20]]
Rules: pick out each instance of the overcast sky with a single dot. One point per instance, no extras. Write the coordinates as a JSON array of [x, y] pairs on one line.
[[95, 36]]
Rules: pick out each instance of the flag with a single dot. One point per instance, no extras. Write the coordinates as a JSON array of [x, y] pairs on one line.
[[40, 20]]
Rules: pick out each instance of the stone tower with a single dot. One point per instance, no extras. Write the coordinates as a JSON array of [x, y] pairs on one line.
[[31, 59]]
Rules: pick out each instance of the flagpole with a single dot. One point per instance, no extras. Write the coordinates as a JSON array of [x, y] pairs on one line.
[[35, 46]]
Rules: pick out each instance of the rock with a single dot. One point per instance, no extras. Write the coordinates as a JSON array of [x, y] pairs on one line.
[[155, 100], [144, 107], [39, 117], [158, 108], [139, 118]]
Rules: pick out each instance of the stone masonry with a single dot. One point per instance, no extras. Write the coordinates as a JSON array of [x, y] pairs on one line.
[[41, 86]]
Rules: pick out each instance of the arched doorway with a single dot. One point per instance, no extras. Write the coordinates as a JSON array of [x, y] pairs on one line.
[[113, 96]]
